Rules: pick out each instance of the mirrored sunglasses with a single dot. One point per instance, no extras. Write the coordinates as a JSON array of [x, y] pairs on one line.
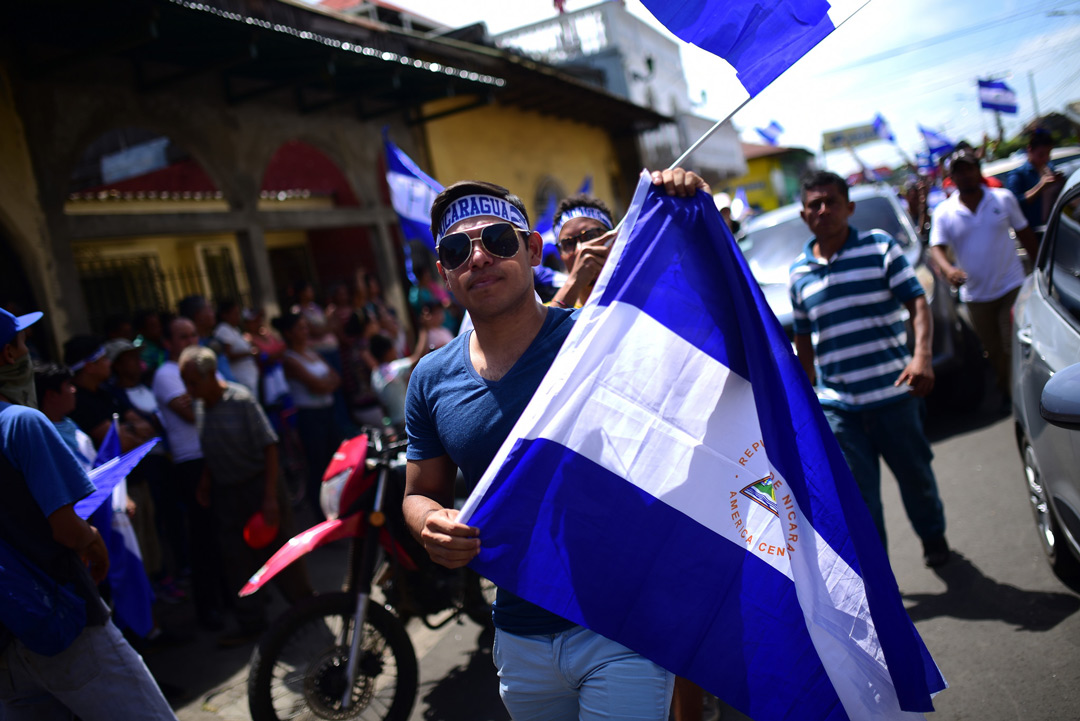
[[498, 239], [567, 245]]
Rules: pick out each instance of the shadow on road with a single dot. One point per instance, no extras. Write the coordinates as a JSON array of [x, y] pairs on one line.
[[469, 692], [973, 596]]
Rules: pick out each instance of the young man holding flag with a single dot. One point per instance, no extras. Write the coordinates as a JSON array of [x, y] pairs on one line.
[[463, 401]]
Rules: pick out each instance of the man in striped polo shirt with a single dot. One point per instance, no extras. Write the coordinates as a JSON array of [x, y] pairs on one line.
[[848, 292]]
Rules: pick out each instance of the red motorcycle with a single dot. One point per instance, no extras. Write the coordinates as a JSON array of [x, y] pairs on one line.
[[339, 655]]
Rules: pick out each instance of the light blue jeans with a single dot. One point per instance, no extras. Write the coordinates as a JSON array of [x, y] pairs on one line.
[[578, 674], [99, 677], [895, 433]]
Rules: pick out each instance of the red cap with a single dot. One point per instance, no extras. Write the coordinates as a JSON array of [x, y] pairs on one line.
[[257, 533]]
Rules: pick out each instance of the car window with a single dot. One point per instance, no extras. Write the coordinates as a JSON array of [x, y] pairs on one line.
[[1065, 259], [770, 250]]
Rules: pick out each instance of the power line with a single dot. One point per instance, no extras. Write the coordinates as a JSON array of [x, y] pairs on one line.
[[951, 35]]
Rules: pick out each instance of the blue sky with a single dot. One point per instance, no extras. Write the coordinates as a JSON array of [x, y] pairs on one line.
[[914, 61]]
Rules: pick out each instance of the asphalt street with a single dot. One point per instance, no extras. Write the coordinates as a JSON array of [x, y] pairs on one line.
[[1003, 629]]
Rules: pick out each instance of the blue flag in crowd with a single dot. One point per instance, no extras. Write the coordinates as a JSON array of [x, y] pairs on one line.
[[586, 186], [770, 134], [881, 127], [996, 95], [109, 473], [545, 226], [674, 485], [937, 144], [760, 38], [132, 595], [412, 191]]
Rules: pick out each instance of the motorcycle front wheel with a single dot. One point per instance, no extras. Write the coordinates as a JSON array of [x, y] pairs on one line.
[[298, 670]]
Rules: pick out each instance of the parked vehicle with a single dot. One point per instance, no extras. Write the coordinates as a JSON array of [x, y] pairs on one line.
[[312, 662], [1065, 159], [1046, 345], [771, 242]]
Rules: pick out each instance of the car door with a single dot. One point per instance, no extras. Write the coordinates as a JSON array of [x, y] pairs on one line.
[[1048, 335]]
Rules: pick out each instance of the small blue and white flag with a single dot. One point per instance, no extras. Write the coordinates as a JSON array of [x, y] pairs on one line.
[[770, 134], [109, 474], [132, 595], [937, 144], [759, 39], [673, 485], [881, 127], [412, 191], [996, 95]]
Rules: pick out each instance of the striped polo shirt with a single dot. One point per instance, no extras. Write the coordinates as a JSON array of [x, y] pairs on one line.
[[852, 307]]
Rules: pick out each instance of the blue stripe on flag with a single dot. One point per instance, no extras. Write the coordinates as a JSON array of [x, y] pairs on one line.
[[713, 629], [760, 39]]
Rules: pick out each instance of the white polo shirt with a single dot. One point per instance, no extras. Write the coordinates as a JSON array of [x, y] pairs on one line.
[[984, 250]]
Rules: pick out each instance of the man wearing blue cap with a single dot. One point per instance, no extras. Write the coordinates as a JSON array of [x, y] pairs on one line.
[[97, 675]]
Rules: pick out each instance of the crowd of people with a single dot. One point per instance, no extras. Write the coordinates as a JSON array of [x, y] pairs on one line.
[[251, 412]]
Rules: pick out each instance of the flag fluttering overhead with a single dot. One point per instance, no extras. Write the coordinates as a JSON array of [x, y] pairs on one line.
[[881, 127], [673, 485], [996, 95], [771, 134], [759, 39], [131, 592], [412, 191], [937, 144]]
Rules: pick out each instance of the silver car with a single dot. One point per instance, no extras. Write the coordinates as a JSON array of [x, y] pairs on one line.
[[1046, 342], [771, 242]]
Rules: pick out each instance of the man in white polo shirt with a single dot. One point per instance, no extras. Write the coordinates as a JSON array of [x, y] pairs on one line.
[[975, 223]]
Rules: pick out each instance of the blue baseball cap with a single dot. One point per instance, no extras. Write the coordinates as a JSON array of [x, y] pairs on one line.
[[10, 325]]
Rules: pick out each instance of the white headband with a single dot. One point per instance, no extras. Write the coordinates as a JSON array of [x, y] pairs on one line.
[[472, 206], [583, 211], [92, 358]]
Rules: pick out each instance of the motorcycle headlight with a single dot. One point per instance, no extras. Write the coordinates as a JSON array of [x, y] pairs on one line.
[[330, 493]]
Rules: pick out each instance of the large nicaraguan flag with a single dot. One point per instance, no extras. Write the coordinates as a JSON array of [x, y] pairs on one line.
[[673, 485], [132, 595], [759, 39], [996, 95]]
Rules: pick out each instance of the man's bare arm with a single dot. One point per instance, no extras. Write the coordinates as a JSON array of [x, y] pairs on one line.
[[73, 532], [429, 513], [804, 349]]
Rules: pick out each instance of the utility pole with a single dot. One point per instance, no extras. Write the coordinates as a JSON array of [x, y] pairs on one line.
[[1034, 98]]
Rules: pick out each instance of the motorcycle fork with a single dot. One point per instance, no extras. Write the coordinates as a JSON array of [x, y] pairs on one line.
[[364, 565]]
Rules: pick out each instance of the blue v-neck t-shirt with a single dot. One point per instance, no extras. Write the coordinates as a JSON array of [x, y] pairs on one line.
[[451, 410]]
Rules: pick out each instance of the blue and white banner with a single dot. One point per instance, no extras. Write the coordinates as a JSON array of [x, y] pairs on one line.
[[412, 191], [759, 39], [881, 127], [771, 134], [673, 485], [937, 144], [132, 595], [996, 95], [110, 473], [545, 226]]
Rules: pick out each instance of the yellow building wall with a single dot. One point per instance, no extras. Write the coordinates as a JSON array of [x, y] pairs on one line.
[[757, 183], [518, 150]]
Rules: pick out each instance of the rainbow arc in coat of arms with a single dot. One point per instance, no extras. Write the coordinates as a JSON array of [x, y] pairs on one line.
[[763, 493]]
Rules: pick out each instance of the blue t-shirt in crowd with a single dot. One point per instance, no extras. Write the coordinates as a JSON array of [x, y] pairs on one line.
[[451, 410], [33, 446]]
